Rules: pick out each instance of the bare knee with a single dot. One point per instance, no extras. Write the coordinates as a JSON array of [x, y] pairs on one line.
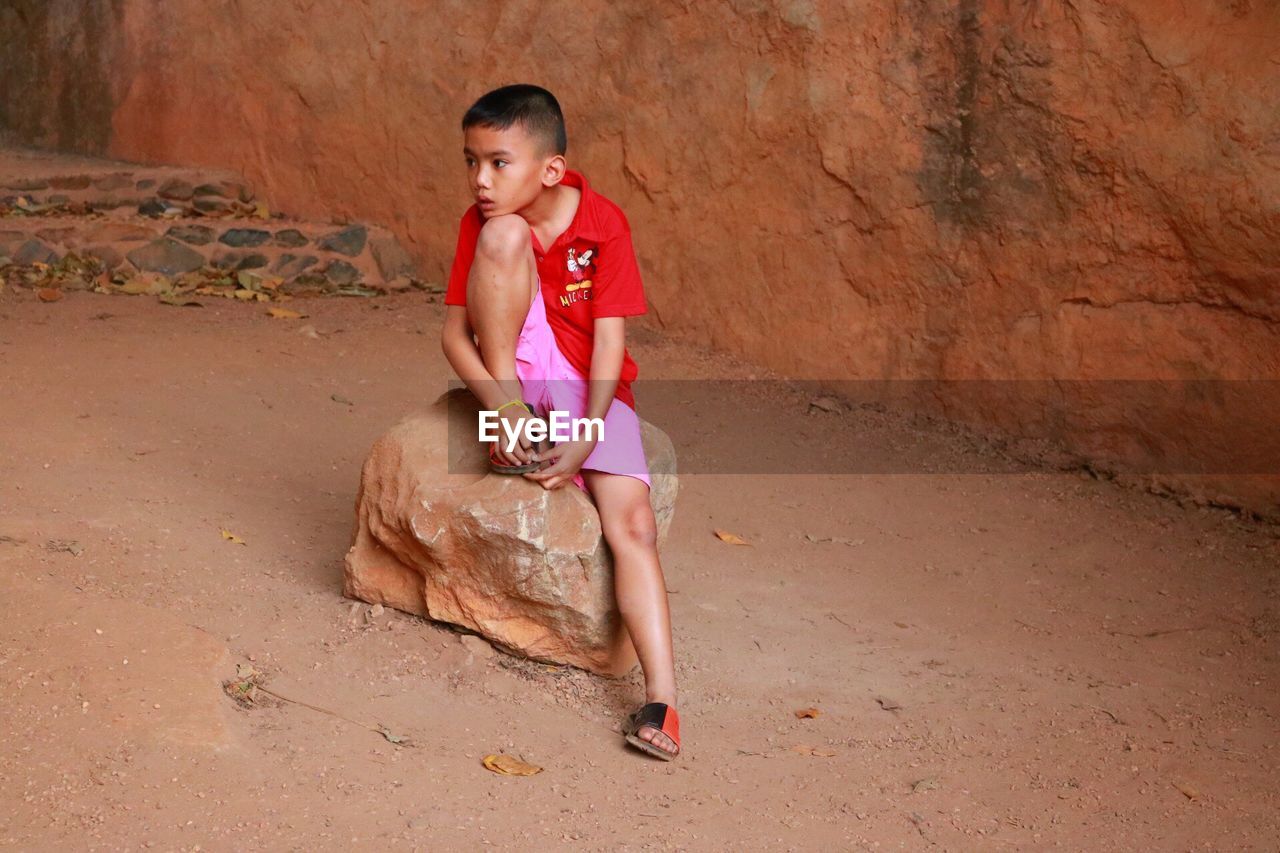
[[635, 528], [504, 238]]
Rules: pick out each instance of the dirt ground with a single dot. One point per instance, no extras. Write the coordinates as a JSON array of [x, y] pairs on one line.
[[1000, 661]]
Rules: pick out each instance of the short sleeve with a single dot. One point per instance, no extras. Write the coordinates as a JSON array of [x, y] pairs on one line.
[[618, 291], [463, 255]]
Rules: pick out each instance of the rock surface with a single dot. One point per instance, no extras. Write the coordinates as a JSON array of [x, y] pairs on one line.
[[436, 534]]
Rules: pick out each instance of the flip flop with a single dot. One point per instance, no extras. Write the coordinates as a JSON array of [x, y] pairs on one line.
[[500, 468], [661, 717]]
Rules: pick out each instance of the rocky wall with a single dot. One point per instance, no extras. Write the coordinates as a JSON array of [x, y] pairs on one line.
[[923, 189]]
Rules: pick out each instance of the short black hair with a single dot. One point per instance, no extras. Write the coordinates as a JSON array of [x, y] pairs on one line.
[[532, 107]]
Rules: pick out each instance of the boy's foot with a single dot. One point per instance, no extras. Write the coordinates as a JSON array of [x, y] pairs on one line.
[[655, 729]]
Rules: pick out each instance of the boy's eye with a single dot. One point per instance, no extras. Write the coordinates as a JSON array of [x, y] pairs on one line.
[[498, 164], [470, 162]]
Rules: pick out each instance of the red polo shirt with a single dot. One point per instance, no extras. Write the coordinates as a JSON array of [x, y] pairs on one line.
[[589, 271]]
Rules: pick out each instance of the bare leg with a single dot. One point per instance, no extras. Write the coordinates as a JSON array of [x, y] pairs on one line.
[[632, 534], [499, 289]]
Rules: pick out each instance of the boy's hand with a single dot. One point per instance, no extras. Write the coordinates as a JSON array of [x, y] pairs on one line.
[[513, 417], [566, 459]]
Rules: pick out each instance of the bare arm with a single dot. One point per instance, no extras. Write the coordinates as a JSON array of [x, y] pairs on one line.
[[458, 343]]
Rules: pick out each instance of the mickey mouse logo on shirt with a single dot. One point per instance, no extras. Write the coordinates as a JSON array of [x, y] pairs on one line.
[[578, 268]]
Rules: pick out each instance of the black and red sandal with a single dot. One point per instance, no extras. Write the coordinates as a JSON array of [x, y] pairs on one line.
[[657, 716]]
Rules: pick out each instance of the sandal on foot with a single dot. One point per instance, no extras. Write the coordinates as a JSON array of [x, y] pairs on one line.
[[500, 468], [657, 716]]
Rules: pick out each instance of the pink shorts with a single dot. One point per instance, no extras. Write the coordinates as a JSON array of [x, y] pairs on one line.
[[550, 383]]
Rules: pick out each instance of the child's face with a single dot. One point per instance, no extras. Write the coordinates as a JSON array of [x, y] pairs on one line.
[[507, 169]]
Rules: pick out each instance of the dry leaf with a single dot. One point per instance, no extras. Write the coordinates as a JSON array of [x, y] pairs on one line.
[[227, 534], [887, 703], [284, 314], [506, 765], [261, 211], [49, 294], [929, 784], [245, 294], [813, 751], [731, 538], [808, 713], [1187, 790]]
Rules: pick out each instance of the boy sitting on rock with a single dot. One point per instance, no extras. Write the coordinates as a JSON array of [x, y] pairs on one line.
[[543, 277]]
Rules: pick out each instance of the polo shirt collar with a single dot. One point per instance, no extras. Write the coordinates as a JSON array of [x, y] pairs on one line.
[[586, 221]]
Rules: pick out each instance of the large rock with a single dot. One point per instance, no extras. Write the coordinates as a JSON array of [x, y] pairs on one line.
[[438, 535]]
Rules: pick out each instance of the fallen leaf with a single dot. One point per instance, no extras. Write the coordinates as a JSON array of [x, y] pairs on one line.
[[245, 295], [1187, 790], [338, 398], [309, 331], [227, 534], [284, 314], [261, 211], [49, 294], [887, 703], [506, 765], [812, 751], [808, 713], [839, 540], [929, 784], [71, 546], [731, 538], [392, 738], [826, 404]]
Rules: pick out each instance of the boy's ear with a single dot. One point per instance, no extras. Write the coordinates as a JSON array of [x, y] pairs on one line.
[[553, 171]]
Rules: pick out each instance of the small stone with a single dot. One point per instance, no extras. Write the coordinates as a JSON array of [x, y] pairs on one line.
[[240, 237], [145, 184], [152, 207], [341, 273], [71, 182], [166, 256], [195, 235], [214, 189], [289, 266], [349, 241], [290, 238], [209, 204], [176, 189], [34, 252], [116, 232], [390, 256]]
